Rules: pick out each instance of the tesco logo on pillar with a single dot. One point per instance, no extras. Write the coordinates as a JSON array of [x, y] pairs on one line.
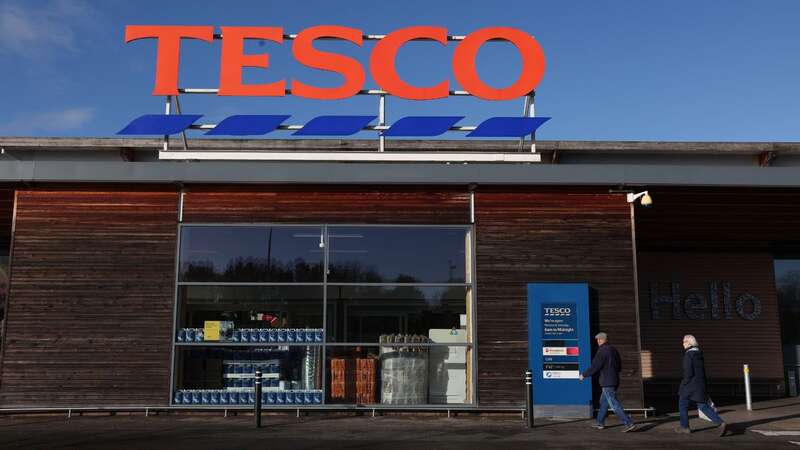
[[381, 60]]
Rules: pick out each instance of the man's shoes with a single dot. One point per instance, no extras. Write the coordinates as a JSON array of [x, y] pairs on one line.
[[628, 428], [682, 430], [723, 428], [597, 426]]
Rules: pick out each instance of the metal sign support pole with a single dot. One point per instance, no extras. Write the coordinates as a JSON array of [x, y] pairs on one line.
[[167, 108], [381, 121], [183, 133]]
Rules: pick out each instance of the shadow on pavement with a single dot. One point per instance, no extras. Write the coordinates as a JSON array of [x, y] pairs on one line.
[[741, 427]]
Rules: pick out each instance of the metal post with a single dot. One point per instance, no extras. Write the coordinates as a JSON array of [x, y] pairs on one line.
[[748, 398], [167, 108], [525, 113], [257, 387], [529, 398], [183, 133], [381, 121], [532, 113]]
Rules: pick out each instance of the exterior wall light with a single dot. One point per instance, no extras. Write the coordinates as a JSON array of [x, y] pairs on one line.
[[646, 200]]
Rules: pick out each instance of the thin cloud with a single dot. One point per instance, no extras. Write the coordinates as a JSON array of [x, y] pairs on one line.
[[46, 30], [48, 122]]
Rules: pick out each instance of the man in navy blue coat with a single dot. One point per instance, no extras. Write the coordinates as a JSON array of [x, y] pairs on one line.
[[693, 387], [607, 364]]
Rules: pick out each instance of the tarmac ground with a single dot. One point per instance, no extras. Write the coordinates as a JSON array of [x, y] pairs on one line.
[[774, 424]]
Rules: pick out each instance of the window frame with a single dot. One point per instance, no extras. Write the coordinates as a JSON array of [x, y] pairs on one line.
[[470, 285]]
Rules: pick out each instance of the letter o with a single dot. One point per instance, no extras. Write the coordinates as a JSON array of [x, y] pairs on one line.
[[533, 63], [753, 315]]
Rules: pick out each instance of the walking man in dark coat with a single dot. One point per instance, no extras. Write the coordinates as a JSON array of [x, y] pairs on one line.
[[607, 364], [693, 387]]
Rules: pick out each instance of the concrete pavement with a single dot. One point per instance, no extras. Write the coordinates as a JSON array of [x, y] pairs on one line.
[[319, 431]]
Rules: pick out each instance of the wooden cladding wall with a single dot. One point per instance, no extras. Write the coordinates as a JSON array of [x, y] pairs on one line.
[[730, 339], [729, 220], [92, 291], [326, 204], [696, 236], [528, 236], [6, 213]]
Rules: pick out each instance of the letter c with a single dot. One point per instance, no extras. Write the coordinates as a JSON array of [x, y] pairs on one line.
[[382, 63]]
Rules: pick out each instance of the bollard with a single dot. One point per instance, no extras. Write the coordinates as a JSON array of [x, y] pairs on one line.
[[748, 398], [257, 404], [529, 398]]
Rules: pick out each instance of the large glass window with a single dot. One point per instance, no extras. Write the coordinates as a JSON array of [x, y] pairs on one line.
[[259, 307], [364, 313], [330, 314], [251, 254], [787, 280], [397, 255]]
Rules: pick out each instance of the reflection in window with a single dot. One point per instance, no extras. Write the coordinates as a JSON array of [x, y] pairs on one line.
[[251, 307], [364, 313], [397, 254], [251, 254], [787, 280]]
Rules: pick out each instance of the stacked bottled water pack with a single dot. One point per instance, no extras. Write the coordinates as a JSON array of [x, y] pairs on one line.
[[259, 335], [212, 397]]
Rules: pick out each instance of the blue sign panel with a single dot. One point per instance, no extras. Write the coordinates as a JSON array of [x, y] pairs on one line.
[[559, 347]]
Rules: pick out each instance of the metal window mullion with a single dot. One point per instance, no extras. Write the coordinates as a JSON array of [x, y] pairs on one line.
[[324, 356], [236, 283], [474, 321], [399, 344], [465, 284], [338, 225]]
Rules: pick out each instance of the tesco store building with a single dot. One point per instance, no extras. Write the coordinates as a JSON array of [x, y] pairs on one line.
[[153, 272]]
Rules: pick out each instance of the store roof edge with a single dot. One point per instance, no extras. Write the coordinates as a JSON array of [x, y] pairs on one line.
[[621, 147]]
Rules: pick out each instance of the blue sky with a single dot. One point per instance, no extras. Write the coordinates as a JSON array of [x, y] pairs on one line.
[[617, 70]]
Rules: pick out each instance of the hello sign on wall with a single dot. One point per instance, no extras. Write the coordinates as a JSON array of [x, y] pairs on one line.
[[381, 60]]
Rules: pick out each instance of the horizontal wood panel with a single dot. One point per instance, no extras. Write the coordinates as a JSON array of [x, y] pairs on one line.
[[326, 204], [91, 300], [558, 236], [730, 220]]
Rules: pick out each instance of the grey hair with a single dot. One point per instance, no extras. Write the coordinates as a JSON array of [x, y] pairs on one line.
[[691, 340], [602, 336]]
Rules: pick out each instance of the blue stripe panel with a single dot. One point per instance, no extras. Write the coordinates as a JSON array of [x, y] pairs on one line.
[[334, 125], [246, 125], [508, 126], [422, 125], [160, 124]]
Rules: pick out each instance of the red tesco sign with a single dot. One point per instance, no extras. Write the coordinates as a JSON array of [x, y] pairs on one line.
[[381, 61]]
